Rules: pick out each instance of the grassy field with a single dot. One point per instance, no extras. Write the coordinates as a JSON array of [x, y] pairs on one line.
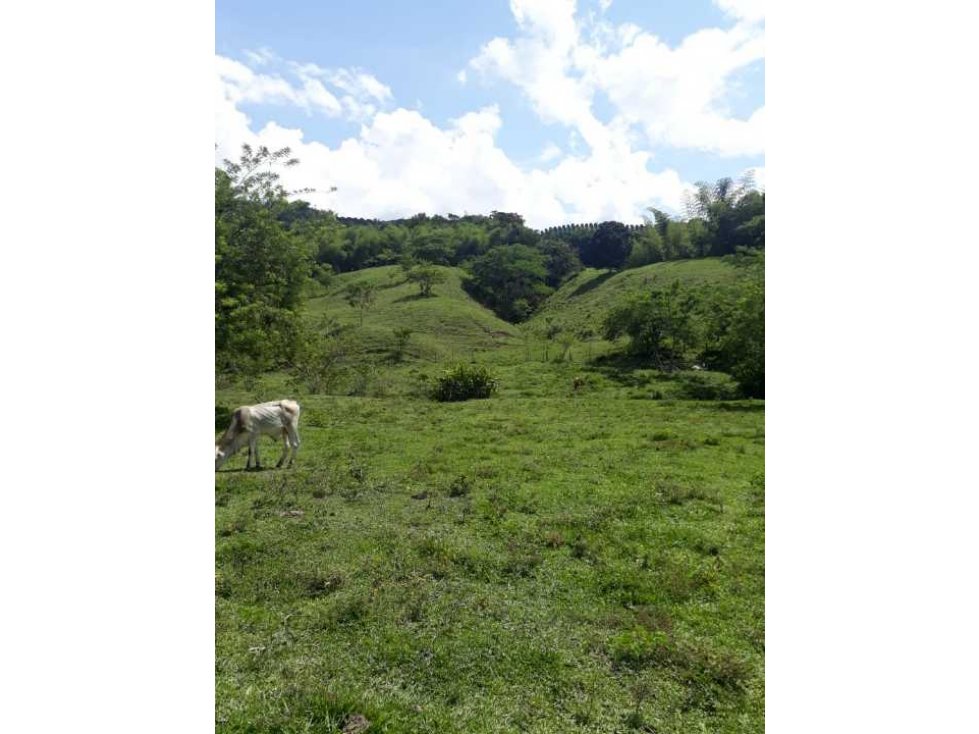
[[447, 326], [549, 560]]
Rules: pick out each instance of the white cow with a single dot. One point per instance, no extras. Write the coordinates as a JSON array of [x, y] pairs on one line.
[[250, 422]]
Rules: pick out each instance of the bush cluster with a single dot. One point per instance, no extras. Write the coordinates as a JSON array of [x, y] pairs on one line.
[[464, 382]]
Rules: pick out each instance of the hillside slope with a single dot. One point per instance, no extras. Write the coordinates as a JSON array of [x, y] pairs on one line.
[[449, 323], [583, 302]]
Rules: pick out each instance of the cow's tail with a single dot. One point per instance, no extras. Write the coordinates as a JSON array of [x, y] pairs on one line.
[[291, 408]]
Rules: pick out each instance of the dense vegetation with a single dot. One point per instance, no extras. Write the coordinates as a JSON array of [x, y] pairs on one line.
[[530, 492], [270, 249]]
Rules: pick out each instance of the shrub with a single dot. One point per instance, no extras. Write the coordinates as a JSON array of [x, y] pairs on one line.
[[640, 646], [426, 277], [464, 382], [321, 357], [460, 486]]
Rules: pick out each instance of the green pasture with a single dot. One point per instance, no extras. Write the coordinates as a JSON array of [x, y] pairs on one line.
[[582, 552], [583, 301]]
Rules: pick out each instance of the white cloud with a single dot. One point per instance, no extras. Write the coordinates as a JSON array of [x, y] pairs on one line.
[[262, 57], [363, 94], [548, 20], [746, 10], [360, 85], [673, 95], [551, 152], [237, 83], [401, 163], [360, 94]]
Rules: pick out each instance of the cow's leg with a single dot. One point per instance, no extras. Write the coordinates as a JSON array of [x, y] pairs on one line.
[[248, 463], [285, 448], [258, 462], [293, 442]]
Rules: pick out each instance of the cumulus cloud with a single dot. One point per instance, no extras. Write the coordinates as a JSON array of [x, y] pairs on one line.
[[654, 95], [238, 84], [402, 163], [673, 95]]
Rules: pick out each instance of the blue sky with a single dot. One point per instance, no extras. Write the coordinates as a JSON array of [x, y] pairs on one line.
[[560, 110]]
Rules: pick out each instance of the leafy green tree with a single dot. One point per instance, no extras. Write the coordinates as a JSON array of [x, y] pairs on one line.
[[608, 247], [432, 244], [325, 239], [677, 244], [647, 248], [733, 214], [321, 359], [510, 279], [661, 325], [254, 176], [576, 236], [401, 336], [506, 228], [740, 349], [426, 277], [470, 241], [560, 259], [362, 247], [260, 267]]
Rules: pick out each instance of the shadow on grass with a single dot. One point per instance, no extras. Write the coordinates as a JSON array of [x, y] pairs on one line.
[[621, 367], [743, 406], [243, 470], [413, 297], [594, 282], [673, 382]]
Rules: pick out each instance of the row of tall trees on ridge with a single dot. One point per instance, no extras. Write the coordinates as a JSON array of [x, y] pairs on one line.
[[721, 218]]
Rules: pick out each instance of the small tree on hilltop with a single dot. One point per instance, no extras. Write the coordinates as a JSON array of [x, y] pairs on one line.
[[425, 277], [361, 296], [401, 336]]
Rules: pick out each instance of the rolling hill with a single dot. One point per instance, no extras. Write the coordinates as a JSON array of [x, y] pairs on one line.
[[583, 301], [447, 325], [451, 325]]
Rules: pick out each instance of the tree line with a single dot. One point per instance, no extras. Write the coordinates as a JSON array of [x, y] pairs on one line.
[[270, 245]]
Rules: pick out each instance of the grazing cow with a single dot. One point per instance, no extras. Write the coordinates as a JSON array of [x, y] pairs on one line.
[[250, 422]]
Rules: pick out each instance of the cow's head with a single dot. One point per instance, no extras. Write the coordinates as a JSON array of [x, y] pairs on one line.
[[219, 457]]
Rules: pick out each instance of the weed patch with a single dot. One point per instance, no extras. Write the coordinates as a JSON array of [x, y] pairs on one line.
[[672, 493]]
